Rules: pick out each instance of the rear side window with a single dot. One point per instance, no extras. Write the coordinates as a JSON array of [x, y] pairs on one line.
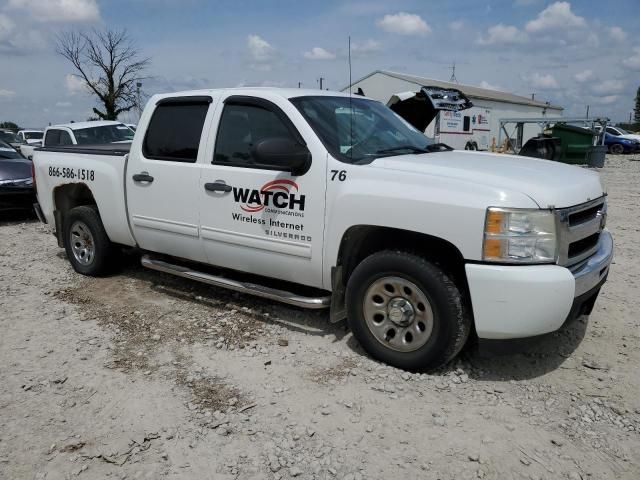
[[52, 139], [65, 138], [174, 131], [241, 127]]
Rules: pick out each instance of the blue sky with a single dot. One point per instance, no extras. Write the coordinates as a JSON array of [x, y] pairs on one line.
[[573, 53]]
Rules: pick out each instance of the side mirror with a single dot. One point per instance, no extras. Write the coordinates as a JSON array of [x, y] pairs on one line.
[[283, 153]]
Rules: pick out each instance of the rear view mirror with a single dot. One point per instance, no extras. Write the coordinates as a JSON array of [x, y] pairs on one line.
[[284, 154]]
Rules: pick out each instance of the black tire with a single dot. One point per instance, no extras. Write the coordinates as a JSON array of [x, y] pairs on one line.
[[616, 149], [474, 146], [451, 322], [101, 261], [468, 146]]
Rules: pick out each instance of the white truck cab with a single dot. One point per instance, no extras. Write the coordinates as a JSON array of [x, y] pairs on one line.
[[331, 200]]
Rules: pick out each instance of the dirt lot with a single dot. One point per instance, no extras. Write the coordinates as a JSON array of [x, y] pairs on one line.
[[142, 375]]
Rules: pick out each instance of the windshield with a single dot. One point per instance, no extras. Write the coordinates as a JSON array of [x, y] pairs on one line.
[[357, 130], [104, 134], [6, 151], [10, 137], [33, 135], [622, 131]]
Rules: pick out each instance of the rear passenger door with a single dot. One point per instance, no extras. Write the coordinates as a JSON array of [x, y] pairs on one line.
[[163, 176]]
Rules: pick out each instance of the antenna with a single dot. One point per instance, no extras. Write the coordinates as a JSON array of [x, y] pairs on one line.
[[350, 104], [453, 78]]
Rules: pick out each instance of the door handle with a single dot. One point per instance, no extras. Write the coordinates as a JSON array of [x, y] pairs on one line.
[[142, 177], [217, 186]]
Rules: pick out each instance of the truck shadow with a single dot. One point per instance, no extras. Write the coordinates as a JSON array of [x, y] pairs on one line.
[[17, 217], [482, 360]]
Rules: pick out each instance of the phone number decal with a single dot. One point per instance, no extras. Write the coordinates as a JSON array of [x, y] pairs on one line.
[[72, 173]]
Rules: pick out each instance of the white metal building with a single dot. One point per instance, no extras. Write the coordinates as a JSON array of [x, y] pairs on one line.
[[474, 128]]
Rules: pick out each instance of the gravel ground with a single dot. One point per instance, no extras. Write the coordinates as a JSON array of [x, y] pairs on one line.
[[141, 375]]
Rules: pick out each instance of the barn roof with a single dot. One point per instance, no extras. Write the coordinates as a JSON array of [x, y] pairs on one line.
[[468, 90]]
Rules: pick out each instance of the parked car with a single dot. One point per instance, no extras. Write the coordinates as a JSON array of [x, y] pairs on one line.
[[83, 133], [16, 181], [620, 133], [11, 138], [415, 243], [31, 137], [618, 144]]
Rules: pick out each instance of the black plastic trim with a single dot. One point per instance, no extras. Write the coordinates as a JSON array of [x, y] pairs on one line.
[[185, 100], [110, 149]]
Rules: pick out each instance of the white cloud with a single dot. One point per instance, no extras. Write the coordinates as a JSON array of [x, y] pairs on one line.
[[58, 10], [366, 48], [404, 23], [502, 34], [583, 76], [63, 104], [542, 81], [260, 50], [6, 27], [608, 87], [632, 62], [617, 34], [490, 86], [456, 25], [319, 53], [4, 93], [74, 84], [555, 16], [608, 100]]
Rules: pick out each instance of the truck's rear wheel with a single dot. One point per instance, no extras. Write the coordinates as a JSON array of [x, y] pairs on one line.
[[86, 242], [406, 311]]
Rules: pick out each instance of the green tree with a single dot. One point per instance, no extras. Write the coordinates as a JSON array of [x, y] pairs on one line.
[[109, 64], [636, 110], [10, 125]]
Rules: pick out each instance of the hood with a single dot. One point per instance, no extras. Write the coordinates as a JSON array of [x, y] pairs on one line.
[[15, 168], [421, 107], [549, 184], [631, 136]]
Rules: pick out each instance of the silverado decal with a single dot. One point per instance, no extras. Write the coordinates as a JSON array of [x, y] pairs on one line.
[[276, 193]]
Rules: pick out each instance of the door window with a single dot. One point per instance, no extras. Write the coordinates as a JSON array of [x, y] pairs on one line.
[[466, 123], [174, 131], [52, 139], [241, 128], [612, 131]]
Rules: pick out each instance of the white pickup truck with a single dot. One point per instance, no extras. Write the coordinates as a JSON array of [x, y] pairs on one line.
[[335, 201]]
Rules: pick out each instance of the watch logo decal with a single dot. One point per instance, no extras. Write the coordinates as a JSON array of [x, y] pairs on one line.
[[276, 193]]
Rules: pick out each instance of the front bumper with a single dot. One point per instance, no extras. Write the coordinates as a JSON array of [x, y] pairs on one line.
[[16, 198], [524, 301]]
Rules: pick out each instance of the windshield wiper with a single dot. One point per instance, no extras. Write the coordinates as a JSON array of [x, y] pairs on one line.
[[411, 148]]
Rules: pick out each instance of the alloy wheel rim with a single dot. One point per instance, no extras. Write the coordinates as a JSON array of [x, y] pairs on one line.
[[82, 243]]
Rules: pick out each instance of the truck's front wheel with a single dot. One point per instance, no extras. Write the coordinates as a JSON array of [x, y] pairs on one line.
[[406, 311], [86, 242]]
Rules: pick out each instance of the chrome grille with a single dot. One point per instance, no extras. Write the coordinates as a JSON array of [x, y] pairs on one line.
[[579, 230]]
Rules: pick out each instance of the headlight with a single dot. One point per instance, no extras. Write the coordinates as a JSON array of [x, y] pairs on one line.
[[519, 236]]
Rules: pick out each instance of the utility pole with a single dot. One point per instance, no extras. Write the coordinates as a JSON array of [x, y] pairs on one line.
[[588, 106], [321, 80], [299, 84], [533, 96], [630, 113]]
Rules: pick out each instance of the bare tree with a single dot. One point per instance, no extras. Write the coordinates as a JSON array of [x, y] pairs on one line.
[[109, 64]]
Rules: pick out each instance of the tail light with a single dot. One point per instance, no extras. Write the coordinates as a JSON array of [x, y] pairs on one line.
[[33, 177]]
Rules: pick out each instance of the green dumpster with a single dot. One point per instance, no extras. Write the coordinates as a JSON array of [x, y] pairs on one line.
[[576, 143]]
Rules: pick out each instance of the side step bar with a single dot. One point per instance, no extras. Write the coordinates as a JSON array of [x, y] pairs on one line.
[[242, 287]]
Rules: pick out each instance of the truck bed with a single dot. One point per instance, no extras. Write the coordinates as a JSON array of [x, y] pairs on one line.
[[112, 149]]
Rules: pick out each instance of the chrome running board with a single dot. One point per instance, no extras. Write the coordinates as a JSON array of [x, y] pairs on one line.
[[242, 287]]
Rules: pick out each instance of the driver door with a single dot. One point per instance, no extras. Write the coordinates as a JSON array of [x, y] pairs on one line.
[[256, 218]]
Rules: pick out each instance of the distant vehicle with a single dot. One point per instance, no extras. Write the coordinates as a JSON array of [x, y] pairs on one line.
[[31, 137], [16, 180], [83, 133], [11, 138], [132, 126], [618, 144], [620, 133]]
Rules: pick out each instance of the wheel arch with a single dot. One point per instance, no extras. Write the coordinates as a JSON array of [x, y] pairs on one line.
[[67, 197]]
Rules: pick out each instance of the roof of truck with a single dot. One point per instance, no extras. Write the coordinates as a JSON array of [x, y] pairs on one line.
[[80, 125], [282, 92]]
